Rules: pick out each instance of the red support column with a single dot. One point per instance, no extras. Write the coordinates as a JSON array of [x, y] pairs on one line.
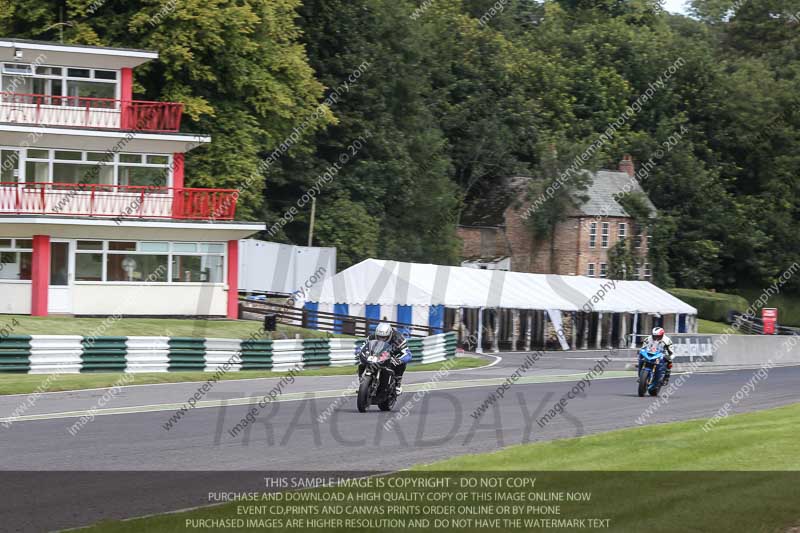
[[233, 280], [40, 275], [178, 161], [126, 96]]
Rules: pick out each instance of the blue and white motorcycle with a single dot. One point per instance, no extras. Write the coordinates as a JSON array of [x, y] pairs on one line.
[[652, 369]]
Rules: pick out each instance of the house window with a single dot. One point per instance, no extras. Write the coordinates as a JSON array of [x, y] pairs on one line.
[[637, 235], [16, 259], [59, 86], [647, 272], [590, 270], [149, 262], [604, 236], [97, 168], [638, 271], [622, 229], [603, 270], [649, 241], [593, 235]]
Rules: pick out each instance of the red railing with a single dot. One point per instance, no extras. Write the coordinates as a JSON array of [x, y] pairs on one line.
[[117, 201], [83, 112]]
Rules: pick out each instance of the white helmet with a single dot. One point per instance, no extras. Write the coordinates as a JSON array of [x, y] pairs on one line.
[[383, 332], [658, 333]]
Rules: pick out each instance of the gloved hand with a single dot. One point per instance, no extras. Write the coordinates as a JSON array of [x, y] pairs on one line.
[[669, 365], [396, 361]]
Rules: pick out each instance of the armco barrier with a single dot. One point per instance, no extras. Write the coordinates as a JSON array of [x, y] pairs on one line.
[[42, 354]]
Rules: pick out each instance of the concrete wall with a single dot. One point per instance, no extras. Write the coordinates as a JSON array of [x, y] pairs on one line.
[[15, 297], [736, 350], [148, 299]]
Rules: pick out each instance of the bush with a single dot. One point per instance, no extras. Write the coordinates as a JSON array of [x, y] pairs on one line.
[[713, 306]]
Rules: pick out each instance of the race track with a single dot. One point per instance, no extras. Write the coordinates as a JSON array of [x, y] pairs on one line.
[[180, 466]]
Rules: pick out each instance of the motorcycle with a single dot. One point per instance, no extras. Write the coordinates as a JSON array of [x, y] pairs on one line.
[[652, 371], [378, 380]]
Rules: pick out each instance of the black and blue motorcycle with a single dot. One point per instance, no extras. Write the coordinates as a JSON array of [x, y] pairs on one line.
[[652, 369]]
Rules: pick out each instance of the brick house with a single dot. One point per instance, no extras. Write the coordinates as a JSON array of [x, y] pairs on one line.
[[495, 233]]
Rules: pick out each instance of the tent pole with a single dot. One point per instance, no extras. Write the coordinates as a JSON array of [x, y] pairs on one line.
[[528, 329], [585, 323], [635, 329], [457, 321], [623, 329], [514, 329], [479, 326], [544, 329], [611, 331], [599, 340], [574, 316], [496, 336]]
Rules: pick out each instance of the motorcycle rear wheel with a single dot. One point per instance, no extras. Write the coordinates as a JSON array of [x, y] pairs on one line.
[[362, 401]]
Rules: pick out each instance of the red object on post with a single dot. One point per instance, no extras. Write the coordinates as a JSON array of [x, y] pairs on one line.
[[40, 275], [769, 316], [233, 280], [178, 161]]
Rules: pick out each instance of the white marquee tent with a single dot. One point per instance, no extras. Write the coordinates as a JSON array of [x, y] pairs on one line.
[[417, 293]]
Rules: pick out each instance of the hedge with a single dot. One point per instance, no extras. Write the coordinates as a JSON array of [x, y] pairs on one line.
[[711, 305]]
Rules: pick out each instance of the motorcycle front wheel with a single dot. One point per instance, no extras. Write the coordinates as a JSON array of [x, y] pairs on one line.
[[362, 401], [643, 375]]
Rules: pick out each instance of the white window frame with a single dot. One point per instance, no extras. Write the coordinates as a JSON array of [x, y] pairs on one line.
[[603, 270], [593, 235], [590, 270], [604, 235], [64, 77], [622, 230], [169, 255], [648, 273], [109, 159], [14, 248]]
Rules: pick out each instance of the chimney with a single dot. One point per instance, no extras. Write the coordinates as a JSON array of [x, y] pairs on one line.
[[626, 165]]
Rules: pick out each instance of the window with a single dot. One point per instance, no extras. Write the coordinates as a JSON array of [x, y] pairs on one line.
[[197, 269], [604, 236], [603, 270], [593, 235], [647, 272], [638, 271], [622, 229], [649, 240], [139, 267], [590, 270], [64, 86], [637, 235], [15, 259], [96, 168]]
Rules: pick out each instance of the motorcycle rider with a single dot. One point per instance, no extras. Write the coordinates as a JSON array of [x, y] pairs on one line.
[[401, 355], [658, 341]]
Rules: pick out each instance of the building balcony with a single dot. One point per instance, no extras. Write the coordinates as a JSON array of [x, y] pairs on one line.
[[79, 112], [117, 201]]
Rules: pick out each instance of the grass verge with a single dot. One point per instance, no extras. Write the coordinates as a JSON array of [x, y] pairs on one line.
[[28, 383], [150, 327], [660, 478], [710, 327]]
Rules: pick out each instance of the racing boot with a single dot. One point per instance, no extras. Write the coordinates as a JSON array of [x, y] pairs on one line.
[[398, 385], [667, 373]]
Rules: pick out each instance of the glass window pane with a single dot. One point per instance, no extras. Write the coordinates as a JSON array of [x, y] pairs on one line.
[[157, 159], [38, 154], [89, 267], [105, 74], [197, 269], [154, 247], [78, 72], [90, 89], [59, 263], [142, 176], [209, 248], [88, 174], [68, 156], [99, 156], [17, 68], [9, 165], [48, 71], [5, 243], [15, 265], [184, 246], [122, 246], [36, 172], [141, 268], [24, 243], [90, 245], [130, 158]]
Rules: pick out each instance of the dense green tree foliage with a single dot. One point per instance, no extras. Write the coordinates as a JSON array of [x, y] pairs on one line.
[[426, 106]]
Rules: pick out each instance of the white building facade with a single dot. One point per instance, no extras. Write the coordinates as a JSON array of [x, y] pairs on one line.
[[94, 215]]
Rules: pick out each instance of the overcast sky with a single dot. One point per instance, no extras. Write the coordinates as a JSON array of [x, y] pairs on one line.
[[675, 6]]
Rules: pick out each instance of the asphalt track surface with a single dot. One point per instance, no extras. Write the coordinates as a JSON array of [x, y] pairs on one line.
[[124, 463]]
